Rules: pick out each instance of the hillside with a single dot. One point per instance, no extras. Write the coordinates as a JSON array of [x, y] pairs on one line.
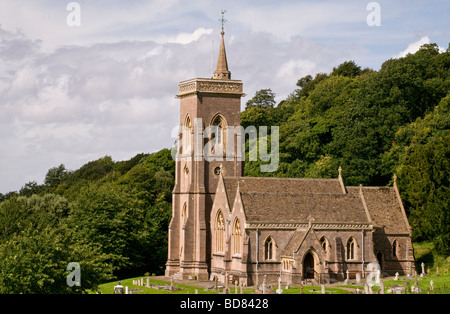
[[112, 217]]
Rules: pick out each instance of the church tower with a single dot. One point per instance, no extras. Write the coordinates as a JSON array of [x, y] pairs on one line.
[[208, 107]]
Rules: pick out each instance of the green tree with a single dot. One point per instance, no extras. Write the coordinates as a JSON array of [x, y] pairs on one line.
[[55, 176], [36, 246], [263, 98], [348, 69]]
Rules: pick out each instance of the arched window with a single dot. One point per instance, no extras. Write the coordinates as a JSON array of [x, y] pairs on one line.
[[269, 249], [237, 238], [184, 213], [186, 136], [220, 232], [351, 249], [324, 243], [394, 248], [217, 139]]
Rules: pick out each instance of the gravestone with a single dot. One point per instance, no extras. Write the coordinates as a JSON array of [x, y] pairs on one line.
[[422, 274], [264, 287], [396, 276], [279, 290], [323, 289], [367, 289], [347, 277], [358, 278]]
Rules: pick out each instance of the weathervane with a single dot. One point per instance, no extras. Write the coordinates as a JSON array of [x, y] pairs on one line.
[[223, 20]]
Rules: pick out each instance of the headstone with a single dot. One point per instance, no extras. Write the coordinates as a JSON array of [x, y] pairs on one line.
[[381, 288], [279, 290], [437, 271], [196, 291], [119, 289], [240, 288], [367, 289], [431, 285], [358, 278], [423, 270], [301, 288], [378, 276], [347, 277], [323, 289], [396, 276], [264, 285], [236, 287], [148, 282]]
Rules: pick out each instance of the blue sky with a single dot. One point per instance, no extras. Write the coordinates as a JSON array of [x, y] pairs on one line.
[[74, 94]]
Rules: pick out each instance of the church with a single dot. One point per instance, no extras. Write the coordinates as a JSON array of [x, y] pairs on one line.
[[226, 226]]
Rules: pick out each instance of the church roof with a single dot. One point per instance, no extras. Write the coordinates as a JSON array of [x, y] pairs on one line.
[[384, 208], [279, 185], [294, 242], [289, 200], [296, 208]]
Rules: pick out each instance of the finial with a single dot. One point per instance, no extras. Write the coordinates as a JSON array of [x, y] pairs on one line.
[[395, 178], [340, 171], [223, 21]]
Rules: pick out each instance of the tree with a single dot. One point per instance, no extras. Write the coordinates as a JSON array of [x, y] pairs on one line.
[[112, 216], [31, 188], [348, 69], [55, 176], [36, 246], [263, 98]]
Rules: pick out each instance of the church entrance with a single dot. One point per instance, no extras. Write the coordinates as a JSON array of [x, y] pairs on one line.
[[308, 266]]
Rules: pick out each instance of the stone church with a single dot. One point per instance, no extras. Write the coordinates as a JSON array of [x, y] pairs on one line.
[[225, 225]]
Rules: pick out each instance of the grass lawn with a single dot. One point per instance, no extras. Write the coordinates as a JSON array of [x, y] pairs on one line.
[[424, 252], [108, 288]]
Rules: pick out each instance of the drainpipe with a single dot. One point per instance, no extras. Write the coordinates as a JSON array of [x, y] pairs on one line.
[[257, 257], [362, 237]]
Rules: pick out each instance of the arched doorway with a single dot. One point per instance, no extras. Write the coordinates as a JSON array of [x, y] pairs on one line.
[[308, 266]]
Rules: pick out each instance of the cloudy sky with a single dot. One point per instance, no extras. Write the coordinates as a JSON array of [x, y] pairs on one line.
[[70, 93]]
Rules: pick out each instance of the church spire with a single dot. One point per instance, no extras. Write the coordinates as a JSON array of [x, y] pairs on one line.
[[222, 72]]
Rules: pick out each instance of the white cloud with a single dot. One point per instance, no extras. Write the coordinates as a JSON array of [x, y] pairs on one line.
[[414, 47], [73, 94], [79, 103]]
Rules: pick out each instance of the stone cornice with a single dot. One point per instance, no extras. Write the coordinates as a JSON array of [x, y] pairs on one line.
[[210, 86], [315, 226]]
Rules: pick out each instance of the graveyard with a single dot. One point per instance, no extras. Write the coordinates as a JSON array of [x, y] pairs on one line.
[[431, 283], [432, 277]]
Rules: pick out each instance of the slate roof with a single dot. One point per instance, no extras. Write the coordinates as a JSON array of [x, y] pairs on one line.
[[279, 185], [294, 242], [288, 200], [297, 208], [384, 208]]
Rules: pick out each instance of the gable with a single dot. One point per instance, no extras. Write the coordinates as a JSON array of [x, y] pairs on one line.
[[384, 208]]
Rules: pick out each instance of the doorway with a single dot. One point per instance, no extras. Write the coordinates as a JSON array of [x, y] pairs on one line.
[[308, 266]]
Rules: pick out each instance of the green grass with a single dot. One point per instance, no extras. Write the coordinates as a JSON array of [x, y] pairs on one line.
[[108, 288], [424, 252]]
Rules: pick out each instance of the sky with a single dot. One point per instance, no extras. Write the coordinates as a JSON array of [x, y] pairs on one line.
[[80, 80]]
